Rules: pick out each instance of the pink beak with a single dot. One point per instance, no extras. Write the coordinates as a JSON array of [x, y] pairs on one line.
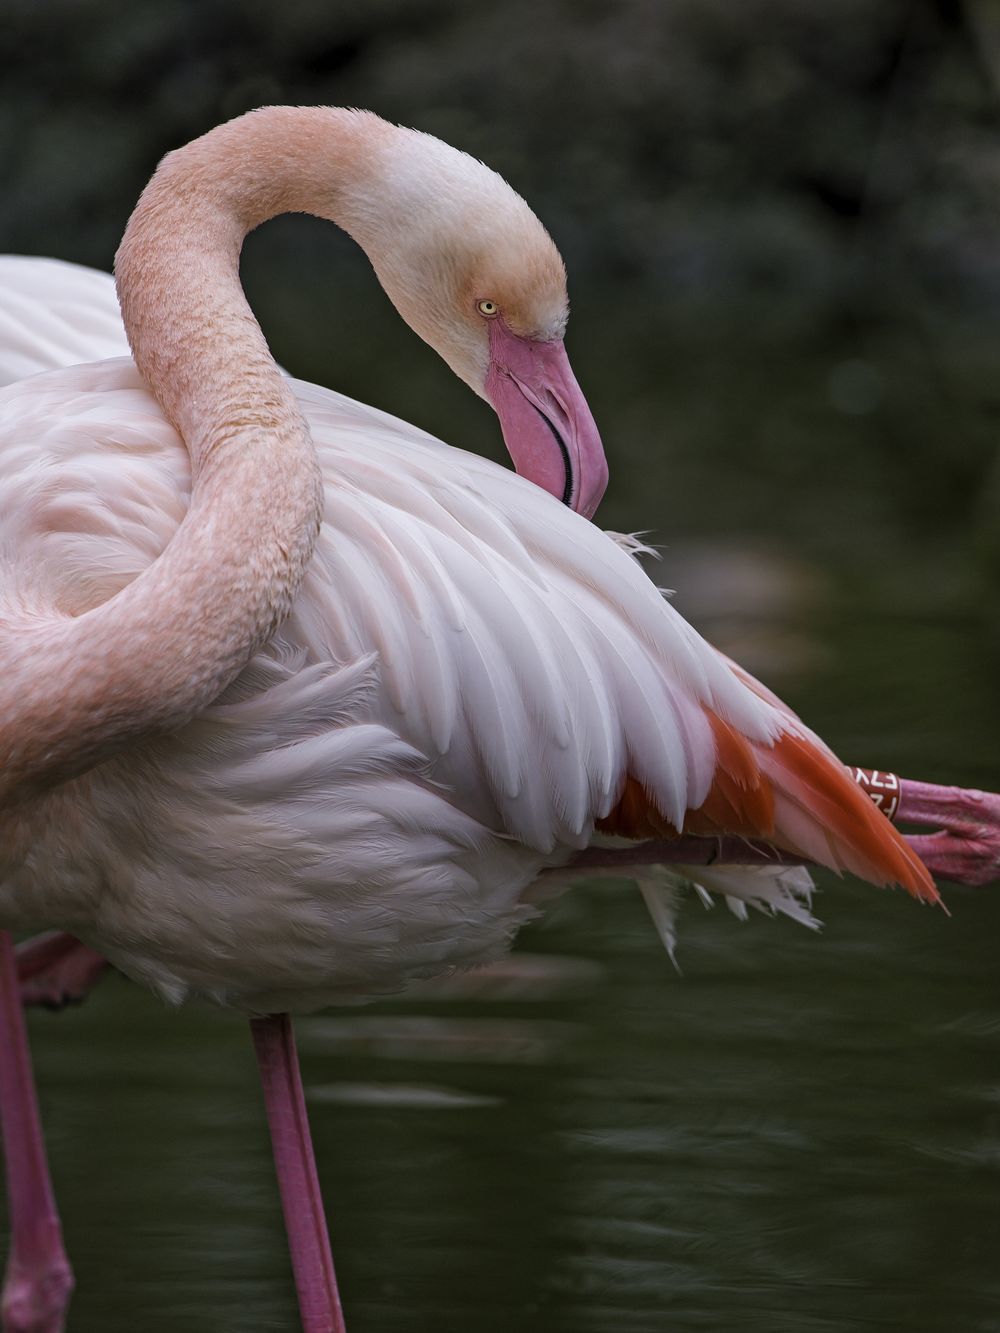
[[546, 423]]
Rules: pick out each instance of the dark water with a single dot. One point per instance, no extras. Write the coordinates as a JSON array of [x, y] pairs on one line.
[[801, 1132]]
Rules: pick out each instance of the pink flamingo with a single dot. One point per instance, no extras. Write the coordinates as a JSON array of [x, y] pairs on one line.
[[298, 703]]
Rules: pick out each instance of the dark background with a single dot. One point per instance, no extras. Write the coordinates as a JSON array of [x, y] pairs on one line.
[[777, 216], [780, 223]]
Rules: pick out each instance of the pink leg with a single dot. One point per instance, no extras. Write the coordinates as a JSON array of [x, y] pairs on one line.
[[947, 807], [55, 970], [964, 860], [39, 1281], [967, 847], [684, 851], [312, 1263], [966, 850]]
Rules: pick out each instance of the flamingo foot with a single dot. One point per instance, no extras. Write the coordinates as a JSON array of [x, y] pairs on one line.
[[55, 970], [301, 1200], [36, 1296], [39, 1281], [966, 847], [972, 857]]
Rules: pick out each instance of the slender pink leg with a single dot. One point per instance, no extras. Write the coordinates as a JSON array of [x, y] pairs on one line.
[[39, 1281], [301, 1201], [688, 850], [967, 847], [948, 807], [961, 859], [966, 850], [55, 970]]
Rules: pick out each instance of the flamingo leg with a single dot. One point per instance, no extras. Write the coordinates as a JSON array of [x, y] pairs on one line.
[[965, 849], [966, 846], [38, 1282], [55, 970], [301, 1200], [728, 851]]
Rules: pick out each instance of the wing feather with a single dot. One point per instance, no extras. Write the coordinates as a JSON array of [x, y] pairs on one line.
[[523, 653]]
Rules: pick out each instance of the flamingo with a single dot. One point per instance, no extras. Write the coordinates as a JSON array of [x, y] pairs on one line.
[[300, 704]]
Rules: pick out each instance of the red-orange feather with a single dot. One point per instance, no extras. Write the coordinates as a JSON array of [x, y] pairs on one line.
[[795, 795]]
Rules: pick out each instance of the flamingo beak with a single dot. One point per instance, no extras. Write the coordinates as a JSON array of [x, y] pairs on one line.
[[546, 423]]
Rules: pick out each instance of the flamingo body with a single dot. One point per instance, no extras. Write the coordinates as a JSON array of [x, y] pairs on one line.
[[55, 314], [299, 701], [468, 676]]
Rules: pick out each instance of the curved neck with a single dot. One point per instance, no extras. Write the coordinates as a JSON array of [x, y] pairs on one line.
[[75, 690], [177, 268]]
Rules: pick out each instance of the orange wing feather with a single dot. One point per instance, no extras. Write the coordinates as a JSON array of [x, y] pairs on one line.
[[795, 795]]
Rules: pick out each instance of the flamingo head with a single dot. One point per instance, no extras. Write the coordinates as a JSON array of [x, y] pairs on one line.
[[546, 422], [473, 271]]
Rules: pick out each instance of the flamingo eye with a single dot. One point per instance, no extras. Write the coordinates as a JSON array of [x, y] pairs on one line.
[[488, 308]]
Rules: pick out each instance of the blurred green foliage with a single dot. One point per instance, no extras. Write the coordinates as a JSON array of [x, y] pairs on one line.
[[777, 217]]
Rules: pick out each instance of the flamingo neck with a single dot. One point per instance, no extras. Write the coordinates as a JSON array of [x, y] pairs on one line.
[[76, 689], [192, 333]]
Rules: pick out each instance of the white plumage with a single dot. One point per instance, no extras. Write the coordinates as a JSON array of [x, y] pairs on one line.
[[55, 314], [468, 673]]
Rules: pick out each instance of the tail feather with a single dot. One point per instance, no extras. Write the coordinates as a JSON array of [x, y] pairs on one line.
[[900, 865], [776, 890], [814, 794], [794, 794]]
